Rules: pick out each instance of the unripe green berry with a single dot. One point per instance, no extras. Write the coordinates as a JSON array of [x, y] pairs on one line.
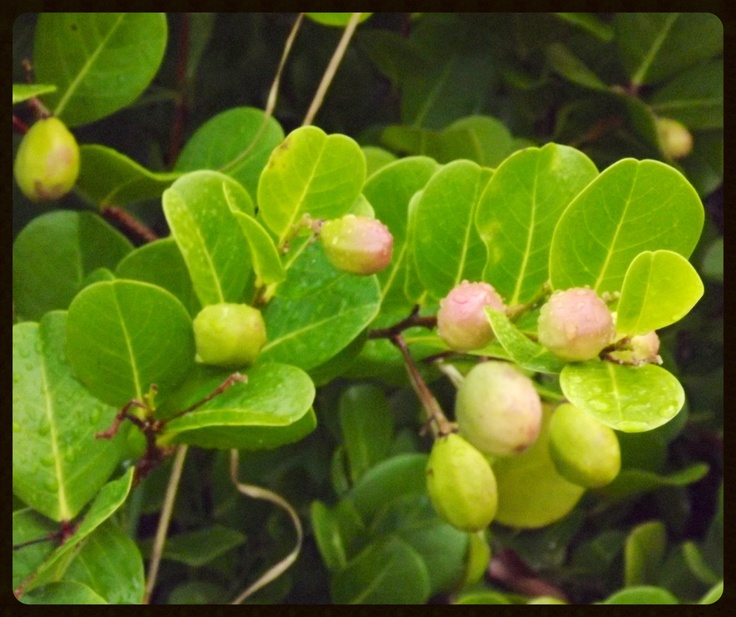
[[461, 484], [462, 321], [357, 244], [47, 163], [229, 335], [497, 409], [583, 450], [676, 140], [575, 324]]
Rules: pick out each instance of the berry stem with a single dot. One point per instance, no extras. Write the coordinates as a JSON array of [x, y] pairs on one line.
[[413, 320], [130, 224]]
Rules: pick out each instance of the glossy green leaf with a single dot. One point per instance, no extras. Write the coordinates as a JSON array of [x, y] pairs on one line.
[[263, 253], [58, 465], [626, 398], [376, 158], [644, 594], [198, 208], [327, 535], [633, 206], [400, 475], [590, 23], [644, 552], [446, 254], [29, 526], [23, 92], [109, 178], [64, 592], [160, 263], [124, 336], [632, 482], [336, 19], [108, 500], [654, 46], [101, 62], [522, 350], [236, 142], [572, 68], [390, 191], [317, 311], [519, 210], [659, 289], [274, 407], [371, 578], [110, 564], [200, 547], [310, 173], [694, 97], [367, 427], [53, 255]]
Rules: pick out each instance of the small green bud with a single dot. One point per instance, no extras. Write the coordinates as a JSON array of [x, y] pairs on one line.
[[461, 484], [644, 350], [47, 163], [357, 244], [229, 335], [462, 321], [676, 140]]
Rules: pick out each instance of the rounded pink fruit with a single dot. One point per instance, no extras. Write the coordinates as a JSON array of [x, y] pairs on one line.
[[462, 321], [357, 244]]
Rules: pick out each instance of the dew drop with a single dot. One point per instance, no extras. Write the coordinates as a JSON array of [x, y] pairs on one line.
[[16, 378], [17, 427], [24, 353], [52, 484], [598, 405], [29, 366], [43, 430], [70, 455], [47, 460]]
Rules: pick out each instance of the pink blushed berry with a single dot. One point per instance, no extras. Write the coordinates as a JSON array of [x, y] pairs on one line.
[[462, 321], [357, 244]]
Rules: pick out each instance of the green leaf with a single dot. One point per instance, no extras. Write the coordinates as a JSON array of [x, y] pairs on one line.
[[108, 500], [274, 407], [572, 68], [29, 526], [367, 427], [654, 46], [310, 173], [23, 92], [697, 564], [198, 208], [483, 597], [317, 311], [64, 592], [713, 594], [101, 62], [236, 142], [644, 552], [519, 210], [336, 19], [109, 178], [643, 594], [712, 264], [376, 158], [659, 289], [371, 578], [110, 564], [633, 206], [522, 350], [694, 97], [200, 547], [263, 252], [590, 23], [626, 398], [124, 336], [53, 255], [636, 481], [327, 535], [58, 465], [447, 253], [160, 263]]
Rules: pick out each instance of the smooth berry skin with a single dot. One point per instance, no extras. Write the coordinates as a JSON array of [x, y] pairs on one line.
[[462, 321], [497, 409], [229, 335], [461, 484], [676, 140], [575, 324], [47, 163], [357, 244]]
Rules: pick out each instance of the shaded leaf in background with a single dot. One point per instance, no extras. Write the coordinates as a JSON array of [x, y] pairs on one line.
[[336, 19], [23, 92], [54, 253], [643, 553], [100, 62]]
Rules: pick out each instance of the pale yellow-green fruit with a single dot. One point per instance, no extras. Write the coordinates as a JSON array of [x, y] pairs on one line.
[[676, 140], [460, 484], [47, 162], [229, 335], [531, 492], [357, 244], [497, 409], [583, 450]]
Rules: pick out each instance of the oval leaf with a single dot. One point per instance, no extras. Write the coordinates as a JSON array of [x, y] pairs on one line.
[[633, 206], [198, 208], [54, 254], [643, 553], [23, 92], [274, 407], [64, 592], [644, 594], [310, 173], [659, 289], [518, 211], [58, 465], [266, 259], [124, 336], [626, 398], [100, 62]]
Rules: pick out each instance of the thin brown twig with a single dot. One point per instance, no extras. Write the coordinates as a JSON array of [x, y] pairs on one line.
[[129, 223]]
